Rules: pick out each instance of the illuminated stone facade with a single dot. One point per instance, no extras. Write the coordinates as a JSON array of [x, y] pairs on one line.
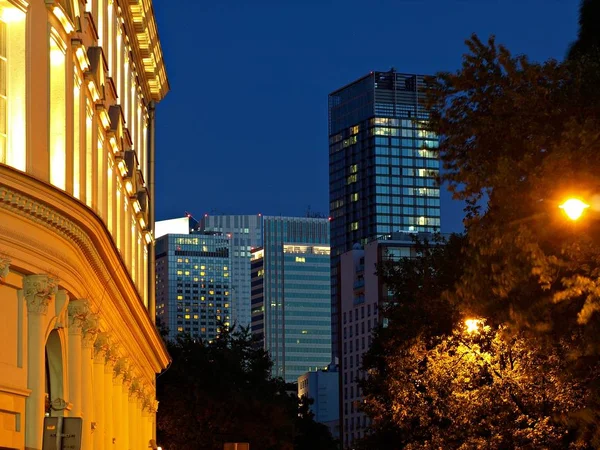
[[78, 84]]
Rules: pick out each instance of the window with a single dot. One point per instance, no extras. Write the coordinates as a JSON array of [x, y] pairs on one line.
[[57, 130], [12, 87]]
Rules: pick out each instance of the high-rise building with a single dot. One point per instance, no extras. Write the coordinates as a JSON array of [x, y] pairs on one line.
[[246, 233], [193, 283], [291, 294], [382, 166], [78, 87], [382, 180]]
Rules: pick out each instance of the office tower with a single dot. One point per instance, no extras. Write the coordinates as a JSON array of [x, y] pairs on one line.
[[78, 86], [382, 180], [382, 166], [193, 291], [291, 294], [246, 233], [323, 387]]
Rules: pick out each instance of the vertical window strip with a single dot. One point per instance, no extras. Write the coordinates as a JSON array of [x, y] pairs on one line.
[[3, 96], [77, 136]]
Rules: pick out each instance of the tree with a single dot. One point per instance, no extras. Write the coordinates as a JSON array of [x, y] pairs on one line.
[[311, 435], [434, 384], [518, 136], [222, 391], [478, 390], [588, 39]]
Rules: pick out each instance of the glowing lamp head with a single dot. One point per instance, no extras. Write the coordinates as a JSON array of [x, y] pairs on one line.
[[472, 325], [574, 208]]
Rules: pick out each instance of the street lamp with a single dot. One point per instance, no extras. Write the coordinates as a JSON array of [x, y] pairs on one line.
[[472, 325], [574, 208]]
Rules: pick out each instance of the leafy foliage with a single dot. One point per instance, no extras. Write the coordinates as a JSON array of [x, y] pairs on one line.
[[516, 138], [222, 392]]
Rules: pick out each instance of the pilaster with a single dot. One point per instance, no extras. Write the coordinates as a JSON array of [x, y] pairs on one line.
[[89, 331], [78, 311], [117, 401], [124, 428], [38, 292], [100, 349], [111, 359]]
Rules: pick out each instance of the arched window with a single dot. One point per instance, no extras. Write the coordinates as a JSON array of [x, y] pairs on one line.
[[54, 374]]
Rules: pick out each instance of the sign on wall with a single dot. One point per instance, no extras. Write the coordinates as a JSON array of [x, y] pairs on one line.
[[62, 433]]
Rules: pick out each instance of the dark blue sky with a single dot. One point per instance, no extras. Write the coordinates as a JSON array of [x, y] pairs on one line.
[[244, 128]]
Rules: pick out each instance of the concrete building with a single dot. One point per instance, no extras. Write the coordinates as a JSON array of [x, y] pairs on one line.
[[323, 387], [245, 232], [193, 283], [290, 294], [362, 294], [79, 84]]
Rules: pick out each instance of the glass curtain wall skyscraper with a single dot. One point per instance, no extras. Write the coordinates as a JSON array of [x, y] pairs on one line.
[[291, 294], [382, 166], [245, 232]]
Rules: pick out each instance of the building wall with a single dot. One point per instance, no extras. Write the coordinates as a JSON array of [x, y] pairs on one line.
[[193, 283], [363, 293], [75, 220], [246, 233], [323, 387]]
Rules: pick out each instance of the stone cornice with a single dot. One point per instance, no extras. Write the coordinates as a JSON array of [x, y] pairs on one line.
[[38, 290], [76, 224], [140, 27]]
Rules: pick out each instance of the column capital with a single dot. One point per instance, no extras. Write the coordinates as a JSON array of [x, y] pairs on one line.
[[135, 389], [112, 355], [38, 290], [120, 368], [148, 401], [4, 266], [101, 346], [79, 311], [89, 330]]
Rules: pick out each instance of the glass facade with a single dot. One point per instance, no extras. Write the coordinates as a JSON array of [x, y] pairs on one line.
[[382, 166], [246, 233], [193, 283], [291, 294]]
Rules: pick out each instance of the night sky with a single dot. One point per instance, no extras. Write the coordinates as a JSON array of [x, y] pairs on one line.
[[244, 128]]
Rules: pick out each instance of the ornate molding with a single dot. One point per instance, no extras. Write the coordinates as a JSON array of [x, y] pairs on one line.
[[38, 291], [61, 224], [4, 267]]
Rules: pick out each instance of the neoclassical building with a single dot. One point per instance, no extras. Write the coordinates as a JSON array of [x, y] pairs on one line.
[[78, 83]]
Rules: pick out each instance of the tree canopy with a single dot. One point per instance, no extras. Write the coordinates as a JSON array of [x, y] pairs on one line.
[[516, 139], [222, 391]]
